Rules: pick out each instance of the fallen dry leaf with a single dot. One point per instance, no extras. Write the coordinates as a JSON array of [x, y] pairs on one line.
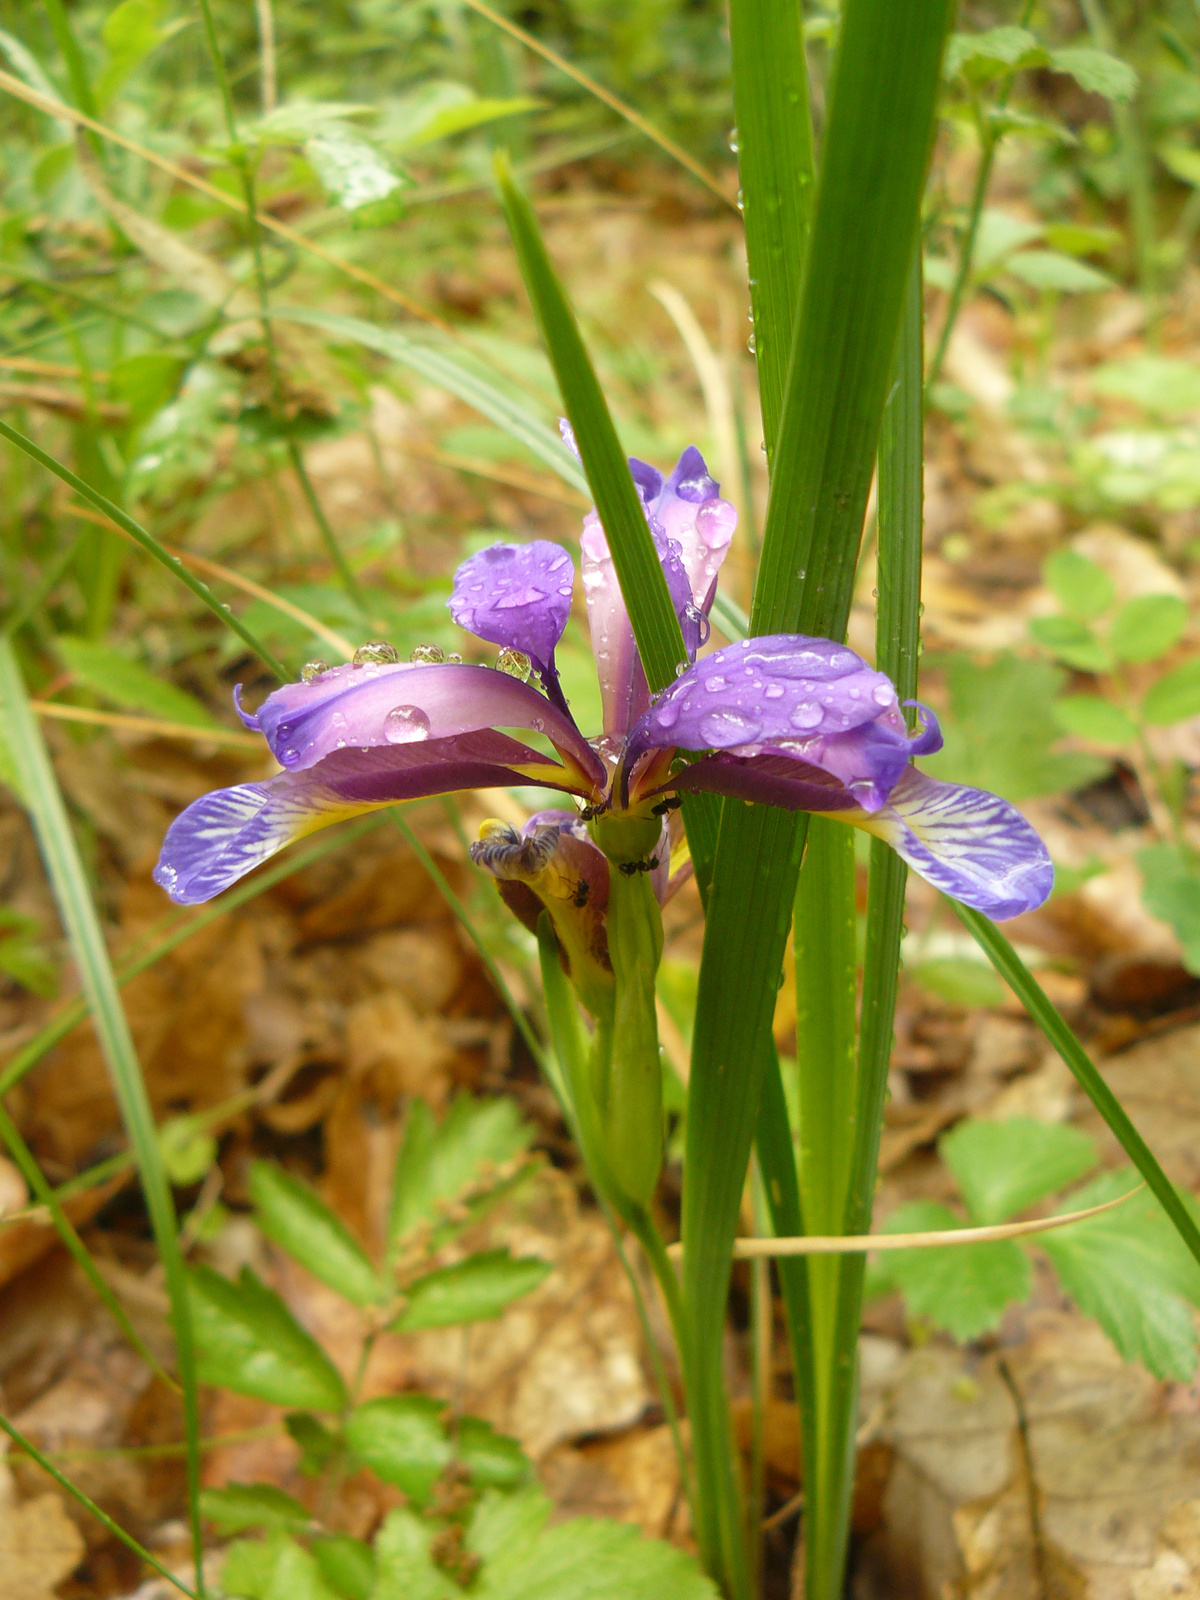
[[39, 1544]]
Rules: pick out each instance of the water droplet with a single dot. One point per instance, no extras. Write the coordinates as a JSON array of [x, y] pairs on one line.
[[405, 725], [728, 726], [290, 756], [377, 652], [874, 594], [921, 608], [168, 877], [515, 663], [741, 203], [537, 724], [680, 668], [802, 574], [774, 691], [883, 694], [715, 684], [341, 744], [752, 344], [313, 669], [733, 140], [454, 659], [805, 715], [430, 654], [667, 715]]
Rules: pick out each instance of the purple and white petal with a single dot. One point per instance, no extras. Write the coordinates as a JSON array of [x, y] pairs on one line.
[[624, 695], [224, 835], [776, 690], [373, 706], [971, 845], [517, 595]]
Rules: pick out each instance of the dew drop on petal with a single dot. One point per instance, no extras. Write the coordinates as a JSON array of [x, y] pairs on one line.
[[405, 725], [715, 684], [377, 652], [883, 694], [429, 654], [289, 756], [774, 691], [667, 715], [313, 669], [515, 663], [805, 715], [454, 659], [728, 726]]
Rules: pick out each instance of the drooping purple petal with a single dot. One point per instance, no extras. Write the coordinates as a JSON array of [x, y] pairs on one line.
[[770, 778], [224, 835], [372, 706], [517, 595], [971, 845]]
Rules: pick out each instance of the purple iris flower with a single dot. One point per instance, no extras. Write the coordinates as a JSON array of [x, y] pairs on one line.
[[786, 719]]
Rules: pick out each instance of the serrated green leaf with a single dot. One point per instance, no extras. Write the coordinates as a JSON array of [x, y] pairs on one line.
[[127, 683], [347, 1565], [1129, 1270], [1002, 47], [1050, 269], [1081, 588], [436, 1164], [239, 1506], [248, 1566], [300, 1222], [406, 1570], [1000, 730], [523, 1559], [296, 1576], [962, 1288], [1089, 717], [1071, 641], [1147, 627], [1096, 71], [473, 1290], [1175, 697], [493, 1460], [403, 1439], [959, 980], [1171, 890], [1162, 384], [1002, 1167], [248, 1341]]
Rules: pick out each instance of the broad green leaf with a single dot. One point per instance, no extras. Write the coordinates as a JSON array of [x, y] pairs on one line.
[[298, 120], [1162, 384], [1071, 641], [1088, 716], [1002, 1167], [960, 980], [1129, 1270], [1081, 588], [248, 1341], [403, 1439], [1182, 161], [1147, 627], [438, 1163], [438, 363], [436, 110], [1171, 890], [145, 382], [131, 32], [275, 1568], [473, 1290], [1078, 239], [353, 172], [471, 114], [1001, 728], [347, 1565], [23, 956], [300, 1222], [239, 1506], [1096, 71], [493, 1460], [994, 47], [317, 1442], [1050, 269], [524, 1559], [1175, 697], [406, 1570], [998, 236], [127, 683], [963, 1288], [296, 1576]]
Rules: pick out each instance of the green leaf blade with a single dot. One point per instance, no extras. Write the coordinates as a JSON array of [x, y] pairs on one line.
[[403, 1439], [298, 1221], [475, 1290]]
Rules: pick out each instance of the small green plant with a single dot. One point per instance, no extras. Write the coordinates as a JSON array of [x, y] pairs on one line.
[[1127, 648], [473, 1514], [1126, 1267]]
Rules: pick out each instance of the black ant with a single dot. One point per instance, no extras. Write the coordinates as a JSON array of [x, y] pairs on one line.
[[583, 893], [671, 803], [631, 867]]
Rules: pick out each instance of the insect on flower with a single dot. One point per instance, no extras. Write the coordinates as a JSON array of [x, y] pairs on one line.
[[790, 720]]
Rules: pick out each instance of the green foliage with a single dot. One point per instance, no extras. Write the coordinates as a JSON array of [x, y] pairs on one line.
[[439, 1164], [1163, 384], [239, 1506], [347, 1565], [1174, 697], [474, 1290], [23, 958], [962, 1288], [1146, 628], [1003, 1167], [248, 1341], [1097, 720], [1082, 589], [1171, 890], [1001, 731], [300, 1222], [1071, 641], [407, 1441], [276, 1568], [188, 1149], [127, 683], [979, 58], [1129, 1270], [960, 980]]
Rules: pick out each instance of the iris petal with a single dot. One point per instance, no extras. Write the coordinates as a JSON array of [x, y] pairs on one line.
[[971, 845], [517, 595], [224, 835]]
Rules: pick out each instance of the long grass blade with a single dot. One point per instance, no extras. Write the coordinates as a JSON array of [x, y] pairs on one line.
[[69, 883], [1033, 997], [148, 543], [643, 584]]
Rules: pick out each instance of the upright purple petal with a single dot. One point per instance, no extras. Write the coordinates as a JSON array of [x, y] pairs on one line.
[[373, 706], [971, 845], [224, 835], [517, 595], [690, 509]]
